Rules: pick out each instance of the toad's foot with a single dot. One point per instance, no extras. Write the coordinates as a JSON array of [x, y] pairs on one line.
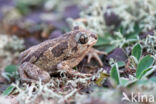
[[93, 53], [31, 73], [71, 72]]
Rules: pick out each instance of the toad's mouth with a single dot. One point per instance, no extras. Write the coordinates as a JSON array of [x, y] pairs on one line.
[[93, 39]]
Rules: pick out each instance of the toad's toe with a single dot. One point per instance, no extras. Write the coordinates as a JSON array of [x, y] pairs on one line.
[[95, 54]]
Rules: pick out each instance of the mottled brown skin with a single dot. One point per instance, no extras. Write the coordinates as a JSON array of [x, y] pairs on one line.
[[62, 53]]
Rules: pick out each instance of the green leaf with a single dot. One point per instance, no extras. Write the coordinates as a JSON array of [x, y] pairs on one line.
[[23, 8], [121, 63], [11, 69], [137, 51], [147, 72], [7, 91], [142, 82], [115, 74], [106, 48], [11, 72], [144, 64], [104, 42], [144, 72], [123, 81], [109, 48], [104, 39], [153, 79], [132, 37], [126, 82]]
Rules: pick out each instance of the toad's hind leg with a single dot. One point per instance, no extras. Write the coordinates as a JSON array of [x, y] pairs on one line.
[[31, 73]]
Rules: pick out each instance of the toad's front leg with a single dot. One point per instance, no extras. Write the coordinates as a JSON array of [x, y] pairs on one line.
[[93, 53], [30, 73], [71, 72]]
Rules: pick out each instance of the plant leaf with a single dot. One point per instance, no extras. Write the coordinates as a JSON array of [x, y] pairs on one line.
[[126, 82], [121, 63], [153, 79], [101, 78], [137, 51], [7, 91], [123, 81], [146, 72], [11, 69], [144, 64], [115, 74], [103, 39]]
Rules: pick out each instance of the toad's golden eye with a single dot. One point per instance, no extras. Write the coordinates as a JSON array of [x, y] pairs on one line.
[[83, 38]]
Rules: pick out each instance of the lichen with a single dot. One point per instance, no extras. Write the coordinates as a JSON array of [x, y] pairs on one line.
[[51, 90], [10, 47], [150, 43], [141, 12]]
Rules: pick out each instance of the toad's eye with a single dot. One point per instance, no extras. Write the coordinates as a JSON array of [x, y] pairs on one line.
[[83, 38]]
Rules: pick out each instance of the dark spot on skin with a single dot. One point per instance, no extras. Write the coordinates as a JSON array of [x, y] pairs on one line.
[[75, 49], [94, 36], [66, 57], [59, 49], [38, 53]]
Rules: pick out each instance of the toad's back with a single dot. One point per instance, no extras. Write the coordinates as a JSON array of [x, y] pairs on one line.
[[47, 54]]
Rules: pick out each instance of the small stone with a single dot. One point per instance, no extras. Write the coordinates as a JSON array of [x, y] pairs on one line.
[[111, 18], [118, 54]]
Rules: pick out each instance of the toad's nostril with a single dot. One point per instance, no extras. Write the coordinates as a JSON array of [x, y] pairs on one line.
[[94, 36]]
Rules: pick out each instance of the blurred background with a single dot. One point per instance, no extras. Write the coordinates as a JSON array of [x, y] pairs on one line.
[[24, 23], [120, 25]]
